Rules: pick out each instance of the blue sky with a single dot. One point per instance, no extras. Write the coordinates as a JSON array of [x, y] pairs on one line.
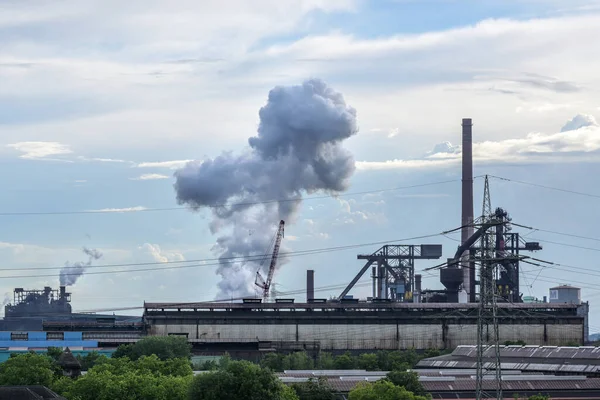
[[100, 104]]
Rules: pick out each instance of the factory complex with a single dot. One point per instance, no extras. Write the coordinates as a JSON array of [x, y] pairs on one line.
[[399, 314]]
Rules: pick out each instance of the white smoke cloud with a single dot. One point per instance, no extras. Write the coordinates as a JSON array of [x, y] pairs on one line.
[[297, 150], [71, 272]]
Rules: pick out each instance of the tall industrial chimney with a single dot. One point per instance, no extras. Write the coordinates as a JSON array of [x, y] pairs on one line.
[[467, 204], [310, 285]]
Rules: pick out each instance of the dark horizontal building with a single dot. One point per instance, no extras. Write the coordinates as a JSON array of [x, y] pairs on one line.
[[356, 326]]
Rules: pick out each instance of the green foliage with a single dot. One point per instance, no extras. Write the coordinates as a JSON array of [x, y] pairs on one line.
[[28, 369], [165, 347], [239, 380], [344, 361], [381, 390], [297, 360], [408, 380], [273, 361], [314, 390], [54, 353], [515, 343], [380, 361], [90, 360], [208, 365], [325, 361], [147, 378], [539, 397], [368, 361]]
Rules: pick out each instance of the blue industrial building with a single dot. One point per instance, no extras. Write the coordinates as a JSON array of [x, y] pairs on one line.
[[39, 342]]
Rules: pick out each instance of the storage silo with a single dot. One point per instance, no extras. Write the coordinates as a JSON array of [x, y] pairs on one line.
[[565, 294]]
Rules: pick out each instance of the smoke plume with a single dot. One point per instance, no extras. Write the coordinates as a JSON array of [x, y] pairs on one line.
[[7, 299], [71, 272], [298, 150]]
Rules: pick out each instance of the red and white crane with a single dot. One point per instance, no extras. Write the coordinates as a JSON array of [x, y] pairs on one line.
[[260, 282]]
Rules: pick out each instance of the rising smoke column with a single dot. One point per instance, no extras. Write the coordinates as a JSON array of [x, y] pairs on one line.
[[71, 272], [298, 150]]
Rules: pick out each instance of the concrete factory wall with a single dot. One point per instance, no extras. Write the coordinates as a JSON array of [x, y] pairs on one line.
[[370, 337]]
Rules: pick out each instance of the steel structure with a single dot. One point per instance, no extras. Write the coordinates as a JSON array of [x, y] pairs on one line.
[[394, 277], [260, 282], [488, 306]]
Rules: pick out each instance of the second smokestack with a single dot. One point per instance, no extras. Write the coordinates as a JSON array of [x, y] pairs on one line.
[[467, 203], [310, 285]]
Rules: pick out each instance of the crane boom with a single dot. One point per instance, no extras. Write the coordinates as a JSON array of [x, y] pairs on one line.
[[266, 286]]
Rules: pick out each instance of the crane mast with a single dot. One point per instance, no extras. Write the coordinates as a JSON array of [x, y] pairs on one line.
[[266, 286]]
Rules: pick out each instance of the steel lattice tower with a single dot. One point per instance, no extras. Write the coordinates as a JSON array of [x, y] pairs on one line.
[[488, 307]]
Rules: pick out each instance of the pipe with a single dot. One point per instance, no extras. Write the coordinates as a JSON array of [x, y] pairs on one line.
[[374, 276], [417, 292], [310, 285], [467, 201], [63, 292]]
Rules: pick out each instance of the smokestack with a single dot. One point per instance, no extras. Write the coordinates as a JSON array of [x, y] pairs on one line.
[[467, 203], [310, 285], [417, 293], [374, 276], [63, 291]]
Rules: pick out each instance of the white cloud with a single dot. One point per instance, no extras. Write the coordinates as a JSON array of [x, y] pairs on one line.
[[580, 142], [40, 150], [174, 164], [148, 177], [120, 210], [159, 255], [579, 121]]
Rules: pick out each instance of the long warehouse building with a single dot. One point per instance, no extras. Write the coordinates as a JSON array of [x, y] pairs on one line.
[[358, 326]]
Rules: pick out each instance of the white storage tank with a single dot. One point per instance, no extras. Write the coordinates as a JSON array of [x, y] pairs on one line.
[[565, 294]]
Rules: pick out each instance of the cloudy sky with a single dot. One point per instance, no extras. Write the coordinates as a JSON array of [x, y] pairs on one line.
[[102, 102]]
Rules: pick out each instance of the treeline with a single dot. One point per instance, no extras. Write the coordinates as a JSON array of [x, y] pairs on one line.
[[160, 368]]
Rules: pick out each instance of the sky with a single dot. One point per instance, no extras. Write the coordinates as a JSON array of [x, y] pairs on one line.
[[101, 103]]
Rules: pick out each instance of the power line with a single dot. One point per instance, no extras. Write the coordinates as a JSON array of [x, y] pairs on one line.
[[233, 259], [546, 187], [219, 205]]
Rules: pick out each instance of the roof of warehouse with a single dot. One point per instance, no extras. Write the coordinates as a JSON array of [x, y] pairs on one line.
[[580, 360], [523, 383]]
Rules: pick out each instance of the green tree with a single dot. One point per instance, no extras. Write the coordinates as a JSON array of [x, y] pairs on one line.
[[538, 397], [89, 360], [381, 390], [408, 380], [314, 389], [325, 361], [54, 352], [239, 380], [368, 361], [147, 378], [344, 361], [273, 361], [297, 360], [28, 369], [165, 347]]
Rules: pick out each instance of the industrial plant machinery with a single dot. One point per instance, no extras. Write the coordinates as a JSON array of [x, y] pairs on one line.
[[394, 270], [259, 281], [31, 303]]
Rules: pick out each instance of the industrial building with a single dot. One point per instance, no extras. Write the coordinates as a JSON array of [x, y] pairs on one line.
[[399, 314], [460, 384], [357, 326]]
